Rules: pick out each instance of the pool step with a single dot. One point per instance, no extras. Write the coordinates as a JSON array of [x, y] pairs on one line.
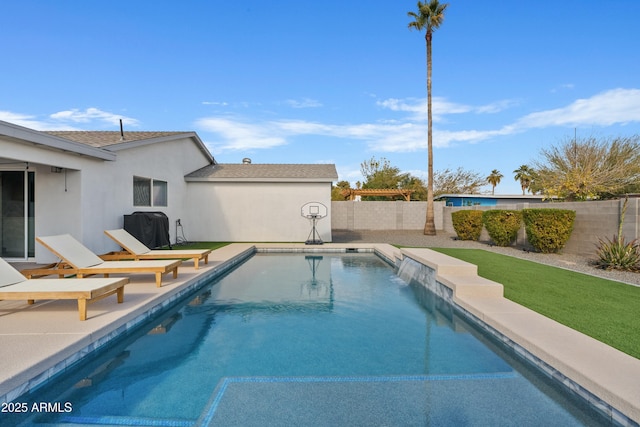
[[107, 420]]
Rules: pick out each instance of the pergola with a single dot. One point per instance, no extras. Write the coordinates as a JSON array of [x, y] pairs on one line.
[[385, 192]]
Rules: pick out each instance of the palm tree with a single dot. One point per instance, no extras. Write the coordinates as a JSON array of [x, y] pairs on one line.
[[429, 17], [494, 179], [525, 175]]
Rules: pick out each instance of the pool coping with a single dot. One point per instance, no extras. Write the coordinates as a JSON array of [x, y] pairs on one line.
[[35, 348], [608, 379]]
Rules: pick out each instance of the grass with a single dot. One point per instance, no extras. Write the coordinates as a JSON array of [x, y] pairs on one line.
[[606, 310], [200, 245]]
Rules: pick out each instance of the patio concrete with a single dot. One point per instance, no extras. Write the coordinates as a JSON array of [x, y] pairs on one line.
[[38, 341]]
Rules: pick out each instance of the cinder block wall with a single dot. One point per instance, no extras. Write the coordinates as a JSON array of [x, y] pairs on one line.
[[594, 220], [399, 215]]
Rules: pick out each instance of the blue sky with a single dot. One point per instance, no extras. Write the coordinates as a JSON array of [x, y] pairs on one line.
[[296, 81]]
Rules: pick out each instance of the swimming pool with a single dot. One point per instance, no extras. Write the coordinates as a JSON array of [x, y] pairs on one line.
[[309, 340]]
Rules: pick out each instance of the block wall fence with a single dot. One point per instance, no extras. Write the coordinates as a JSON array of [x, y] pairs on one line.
[[594, 220]]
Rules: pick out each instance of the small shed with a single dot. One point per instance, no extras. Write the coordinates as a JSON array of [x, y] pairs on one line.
[[259, 202]]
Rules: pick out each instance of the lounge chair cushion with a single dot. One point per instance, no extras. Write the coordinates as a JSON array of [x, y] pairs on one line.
[[9, 275], [72, 251], [129, 242]]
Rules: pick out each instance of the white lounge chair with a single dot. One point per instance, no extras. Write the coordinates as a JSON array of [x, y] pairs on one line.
[[82, 262], [135, 249], [14, 286]]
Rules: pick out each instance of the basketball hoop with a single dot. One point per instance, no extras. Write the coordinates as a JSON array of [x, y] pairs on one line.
[[313, 211]]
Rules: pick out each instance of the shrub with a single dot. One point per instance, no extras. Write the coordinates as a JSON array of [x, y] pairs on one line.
[[617, 254], [548, 229], [502, 225], [467, 224]]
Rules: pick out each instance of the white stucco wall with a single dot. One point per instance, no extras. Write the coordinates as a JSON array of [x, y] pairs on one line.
[[92, 195], [168, 161], [253, 211], [98, 193]]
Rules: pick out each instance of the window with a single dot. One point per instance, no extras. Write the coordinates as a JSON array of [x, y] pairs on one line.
[[149, 192], [159, 193]]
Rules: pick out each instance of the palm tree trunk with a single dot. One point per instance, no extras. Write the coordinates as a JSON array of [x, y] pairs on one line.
[[429, 226]]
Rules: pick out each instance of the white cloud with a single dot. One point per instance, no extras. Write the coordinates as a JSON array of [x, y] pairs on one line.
[[566, 86], [303, 103], [616, 106], [27, 121], [440, 107], [92, 114], [222, 103], [65, 120], [240, 135]]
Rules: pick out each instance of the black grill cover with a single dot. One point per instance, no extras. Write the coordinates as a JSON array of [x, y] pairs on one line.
[[151, 228]]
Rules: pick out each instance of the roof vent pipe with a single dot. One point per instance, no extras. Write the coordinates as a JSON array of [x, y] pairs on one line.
[[246, 161], [121, 131]]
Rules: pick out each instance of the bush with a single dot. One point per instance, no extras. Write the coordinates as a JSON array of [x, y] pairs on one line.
[[548, 229], [502, 225], [616, 254], [467, 224]]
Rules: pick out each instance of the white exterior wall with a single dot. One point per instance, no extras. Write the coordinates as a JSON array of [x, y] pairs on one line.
[[168, 161], [98, 193], [253, 211]]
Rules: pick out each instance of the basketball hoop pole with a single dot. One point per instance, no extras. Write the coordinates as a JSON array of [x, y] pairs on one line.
[[314, 232], [314, 211]]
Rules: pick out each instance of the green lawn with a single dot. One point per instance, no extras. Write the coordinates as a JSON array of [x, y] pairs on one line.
[[201, 245], [606, 310]]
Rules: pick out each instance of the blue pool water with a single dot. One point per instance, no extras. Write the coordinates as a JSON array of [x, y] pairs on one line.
[[308, 340]]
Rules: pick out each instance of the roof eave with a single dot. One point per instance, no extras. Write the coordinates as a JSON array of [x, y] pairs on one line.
[[292, 180], [23, 134], [142, 142]]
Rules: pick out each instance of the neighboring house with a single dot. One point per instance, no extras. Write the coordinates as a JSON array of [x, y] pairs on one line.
[[82, 183], [487, 199]]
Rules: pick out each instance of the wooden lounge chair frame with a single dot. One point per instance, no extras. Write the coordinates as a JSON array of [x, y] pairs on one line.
[[80, 261], [15, 286], [134, 249]]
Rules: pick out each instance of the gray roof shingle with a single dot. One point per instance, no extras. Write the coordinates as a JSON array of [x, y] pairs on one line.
[[265, 172], [102, 139]]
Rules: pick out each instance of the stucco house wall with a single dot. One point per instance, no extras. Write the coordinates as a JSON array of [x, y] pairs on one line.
[[254, 211], [94, 188], [167, 161]]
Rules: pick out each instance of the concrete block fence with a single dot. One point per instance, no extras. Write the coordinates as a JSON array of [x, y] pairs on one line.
[[594, 220], [382, 215]]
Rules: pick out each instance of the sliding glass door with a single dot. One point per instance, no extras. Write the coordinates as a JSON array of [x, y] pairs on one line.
[[17, 214]]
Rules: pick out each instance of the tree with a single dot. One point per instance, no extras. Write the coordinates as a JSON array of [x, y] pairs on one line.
[[429, 17], [417, 185], [458, 181], [588, 168], [494, 179], [336, 191], [525, 175], [381, 174]]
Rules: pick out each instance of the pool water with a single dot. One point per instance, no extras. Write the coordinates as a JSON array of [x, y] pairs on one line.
[[328, 339]]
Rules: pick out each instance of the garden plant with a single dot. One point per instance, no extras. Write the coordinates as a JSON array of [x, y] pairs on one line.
[[502, 225]]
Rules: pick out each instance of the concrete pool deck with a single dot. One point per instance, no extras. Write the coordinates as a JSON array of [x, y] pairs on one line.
[[37, 341]]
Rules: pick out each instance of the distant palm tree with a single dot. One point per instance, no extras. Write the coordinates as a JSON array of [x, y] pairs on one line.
[[494, 179], [525, 175], [429, 17]]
